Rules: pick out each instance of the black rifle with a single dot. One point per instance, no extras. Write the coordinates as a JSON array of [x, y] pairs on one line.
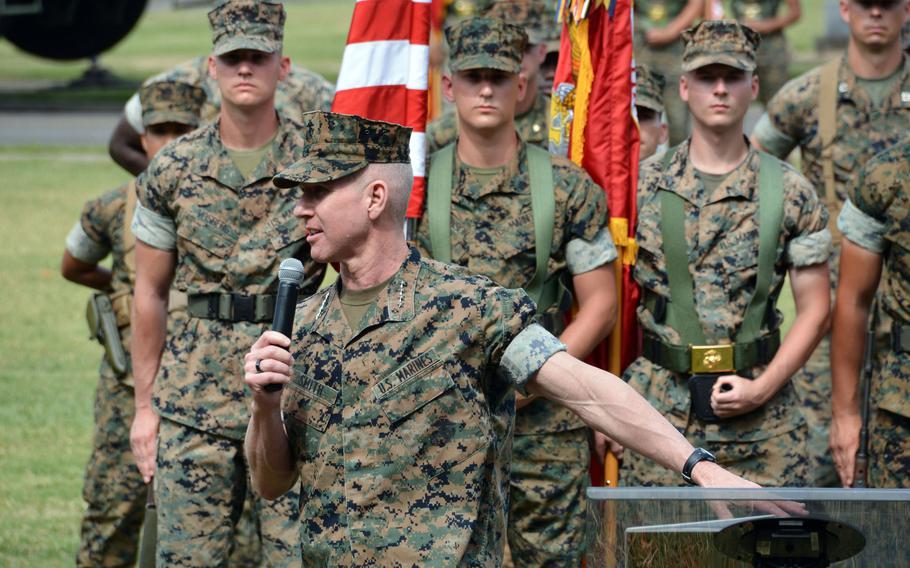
[[861, 463]]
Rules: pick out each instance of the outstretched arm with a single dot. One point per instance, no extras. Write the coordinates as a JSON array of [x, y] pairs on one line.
[[609, 405]]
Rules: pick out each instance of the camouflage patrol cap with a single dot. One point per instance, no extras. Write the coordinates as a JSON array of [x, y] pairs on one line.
[[726, 42], [247, 24], [649, 88], [338, 145], [486, 43], [171, 101], [536, 16]]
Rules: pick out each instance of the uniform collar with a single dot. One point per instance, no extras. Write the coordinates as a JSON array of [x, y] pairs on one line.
[[509, 181], [680, 177], [396, 302], [218, 165], [848, 86]]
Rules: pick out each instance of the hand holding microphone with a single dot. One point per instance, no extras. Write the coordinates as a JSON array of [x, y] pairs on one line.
[[290, 276]]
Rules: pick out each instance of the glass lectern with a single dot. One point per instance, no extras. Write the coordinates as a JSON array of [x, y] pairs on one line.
[[645, 527]]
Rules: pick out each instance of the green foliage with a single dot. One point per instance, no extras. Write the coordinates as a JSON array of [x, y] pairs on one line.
[[48, 367]]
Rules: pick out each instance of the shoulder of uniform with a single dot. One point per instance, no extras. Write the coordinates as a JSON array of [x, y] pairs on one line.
[[305, 76], [440, 276], [803, 88]]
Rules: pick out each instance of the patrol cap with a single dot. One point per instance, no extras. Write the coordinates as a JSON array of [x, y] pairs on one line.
[[247, 24], [536, 16], [486, 43], [649, 88], [337, 145], [168, 100], [726, 42]]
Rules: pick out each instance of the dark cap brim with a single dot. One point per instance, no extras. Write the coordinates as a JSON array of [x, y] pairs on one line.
[[317, 170]]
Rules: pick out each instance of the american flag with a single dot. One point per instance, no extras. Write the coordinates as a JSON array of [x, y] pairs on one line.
[[384, 74]]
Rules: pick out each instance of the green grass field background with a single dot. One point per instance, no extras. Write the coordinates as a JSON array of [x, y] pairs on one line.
[[47, 364]]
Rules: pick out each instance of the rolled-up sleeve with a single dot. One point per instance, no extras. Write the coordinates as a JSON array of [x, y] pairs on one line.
[[583, 255], [526, 354], [153, 229], [862, 229], [82, 247]]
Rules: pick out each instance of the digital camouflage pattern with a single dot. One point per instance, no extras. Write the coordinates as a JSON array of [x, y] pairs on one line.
[[725, 42], [537, 17], [171, 101], [649, 88], [402, 429], [301, 91], [337, 145], [113, 489], [486, 43], [666, 59], [889, 446], [231, 235], [532, 126], [206, 513], [863, 130], [247, 24], [492, 227], [722, 237], [875, 219], [546, 525]]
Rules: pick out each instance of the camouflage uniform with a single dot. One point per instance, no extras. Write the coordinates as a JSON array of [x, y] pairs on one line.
[[863, 130], [875, 219], [492, 231], [229, 235], [401, 426], [774, 53], [766, 445], [113, 489], [666, 60]]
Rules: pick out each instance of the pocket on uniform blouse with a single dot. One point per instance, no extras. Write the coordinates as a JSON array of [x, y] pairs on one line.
[[310, 403], [429, 415], [200, 229]]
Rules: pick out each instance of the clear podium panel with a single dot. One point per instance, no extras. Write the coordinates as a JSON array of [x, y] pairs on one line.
[[647, 527]]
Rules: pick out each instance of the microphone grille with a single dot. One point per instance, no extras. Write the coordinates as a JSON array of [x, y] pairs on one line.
[[291, 271]]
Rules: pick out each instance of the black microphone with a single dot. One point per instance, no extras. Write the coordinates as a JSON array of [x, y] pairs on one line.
[[290, 275]]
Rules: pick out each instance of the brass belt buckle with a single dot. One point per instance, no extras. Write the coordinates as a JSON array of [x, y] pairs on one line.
[[712, 359]]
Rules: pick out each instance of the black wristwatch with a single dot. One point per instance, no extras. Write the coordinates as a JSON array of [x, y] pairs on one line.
[[699, 455]]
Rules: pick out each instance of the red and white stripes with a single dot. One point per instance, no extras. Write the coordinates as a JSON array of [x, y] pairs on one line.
[[384, 73]]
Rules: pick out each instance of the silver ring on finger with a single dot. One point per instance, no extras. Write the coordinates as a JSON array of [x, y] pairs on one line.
[[258, 368]]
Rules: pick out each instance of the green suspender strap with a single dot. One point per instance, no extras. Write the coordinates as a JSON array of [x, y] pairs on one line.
[[681, 313], [439, 203], [827, 132], [543, 204]]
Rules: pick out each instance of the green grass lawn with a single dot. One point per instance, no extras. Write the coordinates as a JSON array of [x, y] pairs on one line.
[[47, 364], [315, 34]]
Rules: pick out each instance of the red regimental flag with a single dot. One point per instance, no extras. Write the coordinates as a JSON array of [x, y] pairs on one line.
[[596, 59], [384, 73]]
